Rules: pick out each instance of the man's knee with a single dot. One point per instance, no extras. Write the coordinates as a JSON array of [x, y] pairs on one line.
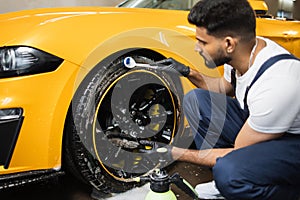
[[238, 179], [229, 179], [234, 181]]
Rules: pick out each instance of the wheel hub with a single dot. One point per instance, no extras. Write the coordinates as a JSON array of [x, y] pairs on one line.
[[130, 111]]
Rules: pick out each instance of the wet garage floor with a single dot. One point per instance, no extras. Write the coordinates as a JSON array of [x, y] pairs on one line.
[[66, 188]]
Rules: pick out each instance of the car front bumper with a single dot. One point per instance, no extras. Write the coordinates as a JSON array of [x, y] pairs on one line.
[[10, 124]]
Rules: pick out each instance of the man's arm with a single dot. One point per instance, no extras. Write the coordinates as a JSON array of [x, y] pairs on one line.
[[246, 137], [205, 157], [219, 85]]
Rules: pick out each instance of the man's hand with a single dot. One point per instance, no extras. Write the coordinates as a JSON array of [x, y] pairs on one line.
[[171, 64]]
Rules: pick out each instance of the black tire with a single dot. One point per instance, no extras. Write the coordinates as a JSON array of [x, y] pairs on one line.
[[98, 126]]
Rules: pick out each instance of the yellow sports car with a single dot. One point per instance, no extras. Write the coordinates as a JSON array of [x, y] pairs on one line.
[[69, 103]]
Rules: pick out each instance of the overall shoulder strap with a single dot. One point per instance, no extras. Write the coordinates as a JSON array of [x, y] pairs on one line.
[[269, 63], [266, 65]]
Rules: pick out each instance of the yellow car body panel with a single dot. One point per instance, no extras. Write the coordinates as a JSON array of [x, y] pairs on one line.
[[40, 138], [286, 33], [259, 5], [83, 37]]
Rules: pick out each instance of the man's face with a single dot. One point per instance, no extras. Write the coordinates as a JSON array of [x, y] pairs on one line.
[[211, 49]]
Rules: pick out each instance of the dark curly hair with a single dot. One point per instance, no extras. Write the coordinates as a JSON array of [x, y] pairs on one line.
[[221, 18]]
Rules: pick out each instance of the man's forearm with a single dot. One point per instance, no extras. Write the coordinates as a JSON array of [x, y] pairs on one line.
[[205, 157]]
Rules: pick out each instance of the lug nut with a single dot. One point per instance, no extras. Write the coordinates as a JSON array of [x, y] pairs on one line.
[[138, 121]]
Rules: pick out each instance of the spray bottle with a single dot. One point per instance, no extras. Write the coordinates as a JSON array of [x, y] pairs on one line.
[[160, 183]]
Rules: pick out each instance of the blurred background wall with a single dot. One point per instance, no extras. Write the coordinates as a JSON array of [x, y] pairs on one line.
[[284, 8]]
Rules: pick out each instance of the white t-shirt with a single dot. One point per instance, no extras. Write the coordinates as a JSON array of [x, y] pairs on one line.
[[274, 99]]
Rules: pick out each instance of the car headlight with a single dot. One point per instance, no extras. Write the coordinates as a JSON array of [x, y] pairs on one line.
[[10, 114], [23, 60]]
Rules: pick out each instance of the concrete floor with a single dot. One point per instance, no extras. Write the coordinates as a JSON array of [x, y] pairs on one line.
[[66, 188]]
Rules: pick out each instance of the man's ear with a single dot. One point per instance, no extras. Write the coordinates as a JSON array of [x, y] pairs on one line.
[[230, 44]]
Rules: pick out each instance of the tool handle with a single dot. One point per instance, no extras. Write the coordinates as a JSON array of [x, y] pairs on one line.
[[184, 186]]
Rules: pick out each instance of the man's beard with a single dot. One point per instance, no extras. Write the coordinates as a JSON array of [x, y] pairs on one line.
[[221, 59], [217, 62]]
